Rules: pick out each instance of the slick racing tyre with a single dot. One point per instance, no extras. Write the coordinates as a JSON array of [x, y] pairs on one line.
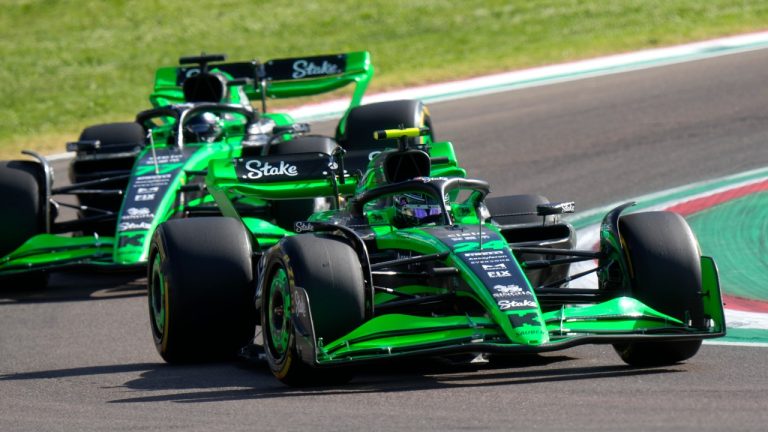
[[511, 204], [120, 145], [201, 289], [532, 230], [666, 275], [23, 215], [356, 131], [328, 269]]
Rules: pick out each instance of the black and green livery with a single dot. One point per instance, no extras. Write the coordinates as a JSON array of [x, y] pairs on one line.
[[360, 283], [127, 178]]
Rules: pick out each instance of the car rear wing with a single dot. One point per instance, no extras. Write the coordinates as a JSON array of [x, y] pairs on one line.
[[274, 79]]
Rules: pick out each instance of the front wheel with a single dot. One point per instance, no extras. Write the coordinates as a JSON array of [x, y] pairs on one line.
[[201, 289], [665, 263], [328, 269]]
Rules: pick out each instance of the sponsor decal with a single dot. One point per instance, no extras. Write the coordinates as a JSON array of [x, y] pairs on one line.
[[499, 266], [131, 226], [530, 318], [499, 274], [301, 166], [489, 254], [138, 213], [431, 179], [301, 227], [467, 236], [258, 169], [567, 207], [299, 304], [515, 304], [509, 291], [147, 190], [308, 68], [130, 239]]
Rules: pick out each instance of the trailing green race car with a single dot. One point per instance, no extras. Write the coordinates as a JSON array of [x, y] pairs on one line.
[[415, 260], [127, 178]]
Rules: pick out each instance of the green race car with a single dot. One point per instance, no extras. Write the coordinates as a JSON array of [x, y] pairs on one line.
[[414, 259], [127, 178]]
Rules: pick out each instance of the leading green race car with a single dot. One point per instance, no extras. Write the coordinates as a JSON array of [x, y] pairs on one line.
[[415, 260], [127, 178]]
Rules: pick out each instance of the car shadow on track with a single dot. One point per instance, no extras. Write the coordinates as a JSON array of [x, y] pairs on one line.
[[243, 381], [79, 286]]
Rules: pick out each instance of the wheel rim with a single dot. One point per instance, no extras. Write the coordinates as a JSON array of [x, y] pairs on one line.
[[279, 313], [157, 299]]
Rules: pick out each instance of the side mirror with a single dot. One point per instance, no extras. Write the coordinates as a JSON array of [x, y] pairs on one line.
[[555, 208]]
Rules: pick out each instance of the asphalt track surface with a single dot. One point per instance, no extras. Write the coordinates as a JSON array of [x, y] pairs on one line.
[[79, 356]]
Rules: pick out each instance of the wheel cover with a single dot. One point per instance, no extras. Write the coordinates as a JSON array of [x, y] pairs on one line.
[[157, 299], [279, 314]]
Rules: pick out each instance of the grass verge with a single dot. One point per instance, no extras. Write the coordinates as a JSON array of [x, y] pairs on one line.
[[71, 63]]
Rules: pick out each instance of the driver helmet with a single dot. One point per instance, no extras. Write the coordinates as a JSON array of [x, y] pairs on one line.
[[203, 128], [414, 209]]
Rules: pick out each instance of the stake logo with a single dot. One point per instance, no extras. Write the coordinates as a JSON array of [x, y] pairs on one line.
[[257, 169], [304, 68]]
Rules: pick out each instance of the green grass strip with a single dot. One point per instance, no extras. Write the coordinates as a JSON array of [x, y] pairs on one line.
[[68, 64]]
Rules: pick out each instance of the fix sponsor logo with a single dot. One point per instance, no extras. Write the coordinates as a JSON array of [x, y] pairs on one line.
[[307, 68], [145, 197], [499, 274], [258, 169]]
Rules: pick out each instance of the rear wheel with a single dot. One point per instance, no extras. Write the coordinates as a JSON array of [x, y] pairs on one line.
[[511, 204], [524, 227], [330, 272], [201, 289], [666, 275], [356, 131], [23, 215]]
